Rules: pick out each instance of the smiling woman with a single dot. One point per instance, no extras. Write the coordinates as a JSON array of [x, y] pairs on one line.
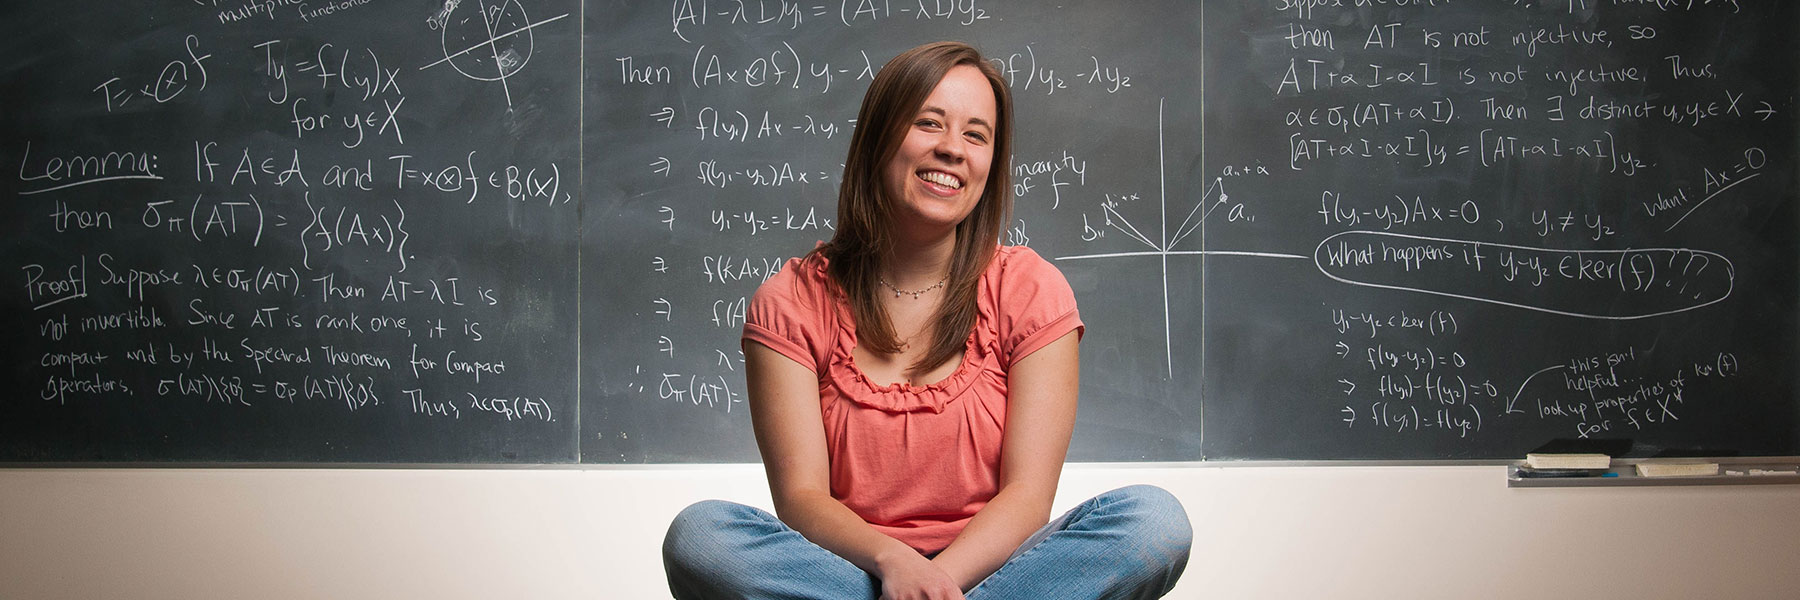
[[898, 231], [912, 385], [941, 167]]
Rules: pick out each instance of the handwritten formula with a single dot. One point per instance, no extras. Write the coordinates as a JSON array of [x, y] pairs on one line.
[[320, 226], [529, 231]]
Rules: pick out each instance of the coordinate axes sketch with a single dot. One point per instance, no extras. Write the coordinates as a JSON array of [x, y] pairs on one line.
[[501, 45], [1164, 246]]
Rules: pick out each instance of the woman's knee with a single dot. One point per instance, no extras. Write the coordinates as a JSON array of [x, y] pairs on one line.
[[694, 533], [1159, 521], [709, 511]]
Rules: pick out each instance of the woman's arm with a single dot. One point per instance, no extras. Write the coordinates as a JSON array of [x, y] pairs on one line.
[[790, 433], [1040, 417]]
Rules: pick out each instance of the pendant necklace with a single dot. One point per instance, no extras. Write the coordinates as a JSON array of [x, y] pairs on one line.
[[915, 295]]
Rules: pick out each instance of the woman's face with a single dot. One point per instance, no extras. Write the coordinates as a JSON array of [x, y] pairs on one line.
[[941, 169]]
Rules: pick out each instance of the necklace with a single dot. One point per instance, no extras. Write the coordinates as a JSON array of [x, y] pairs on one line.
[[915, 295]]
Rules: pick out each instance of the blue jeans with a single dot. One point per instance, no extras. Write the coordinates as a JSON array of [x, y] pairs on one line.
[[1127, 543]]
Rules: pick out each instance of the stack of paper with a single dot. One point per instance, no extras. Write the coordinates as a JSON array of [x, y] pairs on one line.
[[1685, 469]]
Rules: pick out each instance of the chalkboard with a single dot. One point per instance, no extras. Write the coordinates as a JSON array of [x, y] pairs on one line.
[[731, 131], [292, 232], [1297, 229], [1515, 222], [526, 231]]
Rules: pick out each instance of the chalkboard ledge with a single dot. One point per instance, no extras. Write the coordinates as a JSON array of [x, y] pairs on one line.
[[1624, 473]]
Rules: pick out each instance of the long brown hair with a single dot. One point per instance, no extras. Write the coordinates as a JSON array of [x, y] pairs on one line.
[[863, 239]]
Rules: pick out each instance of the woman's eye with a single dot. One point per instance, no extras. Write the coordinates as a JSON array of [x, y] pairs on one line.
[[977, 137], [928, 123]]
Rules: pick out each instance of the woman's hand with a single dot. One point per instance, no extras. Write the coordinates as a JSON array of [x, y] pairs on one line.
[[910, 576]]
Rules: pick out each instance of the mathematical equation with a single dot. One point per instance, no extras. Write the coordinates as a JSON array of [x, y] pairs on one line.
[[285, 222]]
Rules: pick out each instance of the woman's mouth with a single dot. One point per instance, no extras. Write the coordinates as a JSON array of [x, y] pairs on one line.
[[941, 179]]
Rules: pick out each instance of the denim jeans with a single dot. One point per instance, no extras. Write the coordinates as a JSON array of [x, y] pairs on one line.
[[1127, 543]]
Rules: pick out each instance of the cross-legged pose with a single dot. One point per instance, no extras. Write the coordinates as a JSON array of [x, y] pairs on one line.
[[913, 383]]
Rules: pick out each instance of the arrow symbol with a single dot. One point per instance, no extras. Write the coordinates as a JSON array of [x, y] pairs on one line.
[[1343, 349], [661, 165], [666, 116], [1347, 382], [1515, 398]]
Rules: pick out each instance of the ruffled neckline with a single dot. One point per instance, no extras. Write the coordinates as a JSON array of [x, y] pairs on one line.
[[902, 397]]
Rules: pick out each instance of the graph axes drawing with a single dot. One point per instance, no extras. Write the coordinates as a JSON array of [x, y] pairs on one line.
[[1164, 247]]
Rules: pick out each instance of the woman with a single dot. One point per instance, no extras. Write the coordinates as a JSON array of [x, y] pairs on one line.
[[912, 386]]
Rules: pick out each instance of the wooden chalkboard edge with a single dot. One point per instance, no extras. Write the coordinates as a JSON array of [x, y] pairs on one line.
[[1331, 462], [1080, 465], [372, 466], [1072, 465], [293, 466]]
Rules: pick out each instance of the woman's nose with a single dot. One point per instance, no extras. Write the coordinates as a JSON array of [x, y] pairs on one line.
[[950, 147]]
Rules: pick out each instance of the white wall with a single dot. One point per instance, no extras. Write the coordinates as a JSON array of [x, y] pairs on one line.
[[1261, 532]]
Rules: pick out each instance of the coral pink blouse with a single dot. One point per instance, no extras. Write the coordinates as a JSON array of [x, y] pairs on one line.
[[915, 462]]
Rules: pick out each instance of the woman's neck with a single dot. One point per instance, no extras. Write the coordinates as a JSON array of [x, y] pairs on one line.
[[919, 264]]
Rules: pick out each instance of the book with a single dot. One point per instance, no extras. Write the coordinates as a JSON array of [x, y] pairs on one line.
[[1656, 469], [1568, 461]]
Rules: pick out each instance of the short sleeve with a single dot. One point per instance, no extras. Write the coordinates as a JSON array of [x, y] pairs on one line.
[[1034, 304], [790, 315]]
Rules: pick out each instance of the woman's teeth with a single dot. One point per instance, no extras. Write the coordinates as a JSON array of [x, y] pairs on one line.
[[943, 179]]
